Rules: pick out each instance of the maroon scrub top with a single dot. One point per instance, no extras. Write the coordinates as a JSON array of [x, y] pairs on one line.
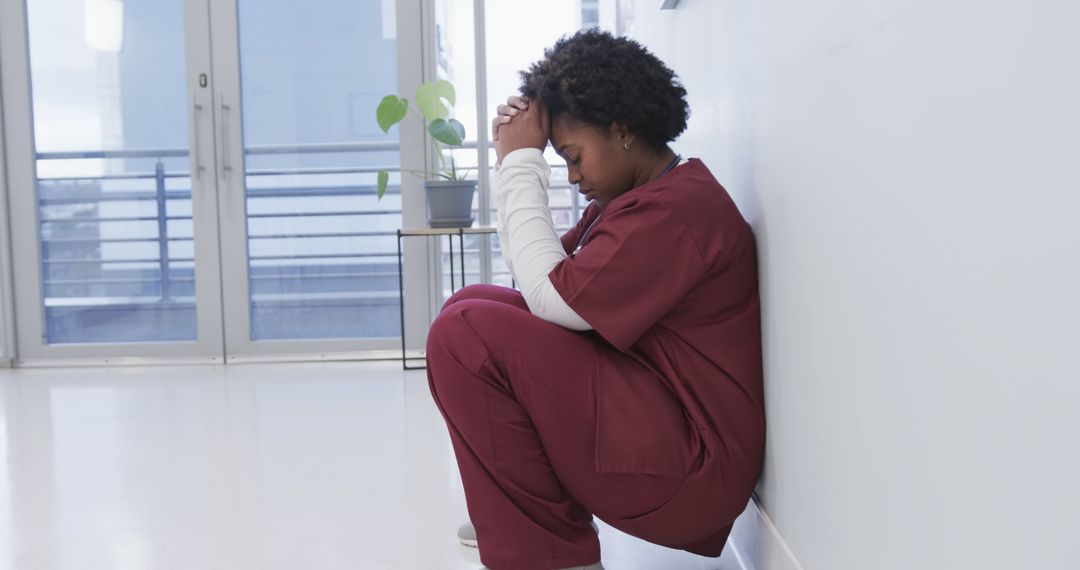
[[668, 276]]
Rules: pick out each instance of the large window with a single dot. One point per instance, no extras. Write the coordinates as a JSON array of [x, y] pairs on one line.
[[197, 178], [511, 43], [321, 249]]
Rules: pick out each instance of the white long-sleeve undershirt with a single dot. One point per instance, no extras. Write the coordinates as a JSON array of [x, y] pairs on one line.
[[530, 245]]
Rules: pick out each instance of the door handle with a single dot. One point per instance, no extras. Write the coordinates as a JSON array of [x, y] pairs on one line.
[[195, 147], [226, 165]]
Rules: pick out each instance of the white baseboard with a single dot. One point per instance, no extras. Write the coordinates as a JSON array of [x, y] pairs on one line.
[[758, 544]]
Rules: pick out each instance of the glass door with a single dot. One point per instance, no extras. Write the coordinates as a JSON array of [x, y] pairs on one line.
[[111, 178], [196, 179], [310, 261]]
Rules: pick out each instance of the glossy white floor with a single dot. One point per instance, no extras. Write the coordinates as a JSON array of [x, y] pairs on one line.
[[276, 466]]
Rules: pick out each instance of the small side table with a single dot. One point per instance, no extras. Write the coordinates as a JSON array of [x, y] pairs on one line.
[[450, 234]]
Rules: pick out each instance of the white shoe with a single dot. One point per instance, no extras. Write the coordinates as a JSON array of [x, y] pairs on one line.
[[466, 533]]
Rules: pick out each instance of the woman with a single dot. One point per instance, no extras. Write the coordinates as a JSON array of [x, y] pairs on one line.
[[624, 380]]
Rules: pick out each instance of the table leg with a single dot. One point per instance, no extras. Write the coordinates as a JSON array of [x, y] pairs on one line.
[[450, 242], [461, 251], [401, 298]]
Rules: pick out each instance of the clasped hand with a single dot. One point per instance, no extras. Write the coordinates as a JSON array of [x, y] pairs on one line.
[[520, 123]]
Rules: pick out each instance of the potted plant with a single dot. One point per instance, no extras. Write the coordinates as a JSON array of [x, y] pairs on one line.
[[449, 194]]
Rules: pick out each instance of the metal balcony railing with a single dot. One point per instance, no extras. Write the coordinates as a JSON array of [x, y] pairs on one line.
[[75, 275]]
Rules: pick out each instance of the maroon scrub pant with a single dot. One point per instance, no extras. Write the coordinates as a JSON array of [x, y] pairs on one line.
[[518, 397]]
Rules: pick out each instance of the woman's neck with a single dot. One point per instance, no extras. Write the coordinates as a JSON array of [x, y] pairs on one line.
[[654, 165]]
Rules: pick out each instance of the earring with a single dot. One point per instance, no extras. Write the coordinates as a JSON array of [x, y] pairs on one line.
[[626, 146]]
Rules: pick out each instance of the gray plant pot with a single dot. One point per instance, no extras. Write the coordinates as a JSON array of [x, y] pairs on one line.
[[449, 203]]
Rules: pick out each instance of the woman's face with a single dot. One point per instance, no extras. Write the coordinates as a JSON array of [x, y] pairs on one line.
[[595, 159]]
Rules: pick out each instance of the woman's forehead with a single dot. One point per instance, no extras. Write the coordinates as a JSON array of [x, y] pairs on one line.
[[568, 132]]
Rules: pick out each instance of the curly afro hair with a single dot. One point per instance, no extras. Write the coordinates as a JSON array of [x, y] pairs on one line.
[[599, 79]]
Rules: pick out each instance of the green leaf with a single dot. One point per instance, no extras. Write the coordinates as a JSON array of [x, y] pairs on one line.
[[384, 179], [445, 89], [431, 106], [450, 132], [391, 111]]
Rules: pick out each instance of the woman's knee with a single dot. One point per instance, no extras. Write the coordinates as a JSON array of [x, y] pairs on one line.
[[461, 339], [448, 324], [448, 358], [495, 293], [470, 330], [452, 333]]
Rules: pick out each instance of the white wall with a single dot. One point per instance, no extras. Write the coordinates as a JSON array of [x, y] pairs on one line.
[[912, 171]]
